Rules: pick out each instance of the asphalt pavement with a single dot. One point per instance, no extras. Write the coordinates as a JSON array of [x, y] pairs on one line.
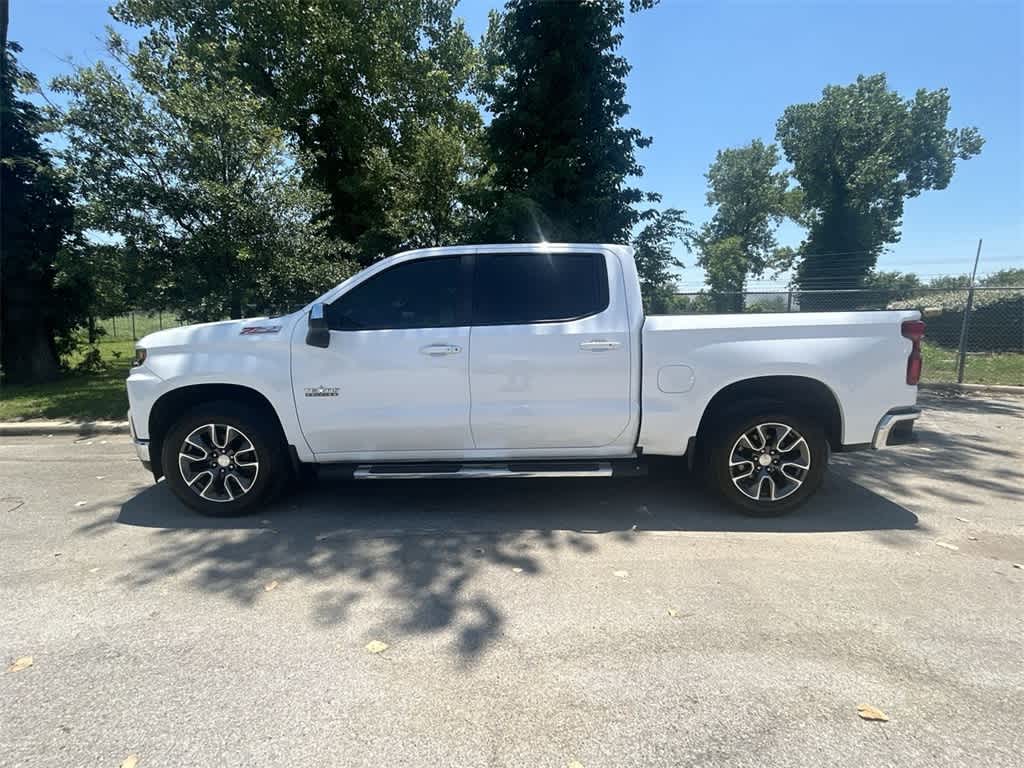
[[619, 623]]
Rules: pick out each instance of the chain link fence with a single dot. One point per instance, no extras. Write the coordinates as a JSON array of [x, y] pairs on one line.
[[973, 335], [132, 326]]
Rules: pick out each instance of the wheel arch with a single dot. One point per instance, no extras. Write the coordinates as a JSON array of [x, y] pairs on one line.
[[170, 405], [807, 394]]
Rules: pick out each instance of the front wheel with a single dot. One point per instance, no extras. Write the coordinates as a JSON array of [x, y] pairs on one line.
[[768, 461], [222, 459]]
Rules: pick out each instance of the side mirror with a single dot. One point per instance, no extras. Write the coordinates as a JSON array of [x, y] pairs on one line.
[[317, 333]]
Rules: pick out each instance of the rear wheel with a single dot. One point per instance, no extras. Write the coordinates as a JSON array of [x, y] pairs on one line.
[[767, 460], [223, 459]]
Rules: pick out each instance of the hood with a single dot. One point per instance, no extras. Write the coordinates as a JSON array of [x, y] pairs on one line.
[[204, 334]]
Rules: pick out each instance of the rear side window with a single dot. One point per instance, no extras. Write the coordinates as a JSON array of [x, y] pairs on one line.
[[518, 288], [417, 294]]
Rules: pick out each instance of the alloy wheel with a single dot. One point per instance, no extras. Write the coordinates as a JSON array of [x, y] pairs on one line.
[[218, 462], [769, 462]]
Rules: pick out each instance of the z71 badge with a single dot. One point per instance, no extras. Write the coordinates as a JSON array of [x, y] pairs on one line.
[[321, 391]]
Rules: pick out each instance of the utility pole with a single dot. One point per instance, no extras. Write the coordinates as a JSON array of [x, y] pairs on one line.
[[967, 318]]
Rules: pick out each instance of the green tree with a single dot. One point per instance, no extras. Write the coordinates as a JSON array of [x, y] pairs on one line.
[[431, 199], [556, 90], [888, 286], [858, 153], [358, 84], [179, 163], [36, 224], [725, 263], [1009, 278], [750, 198], [654, 259], [950, 282]]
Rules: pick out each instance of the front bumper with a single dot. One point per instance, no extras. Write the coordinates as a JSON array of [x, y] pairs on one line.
[[141, 446], [896, 428]]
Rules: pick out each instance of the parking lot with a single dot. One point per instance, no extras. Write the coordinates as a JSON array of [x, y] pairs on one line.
[[528, 623]]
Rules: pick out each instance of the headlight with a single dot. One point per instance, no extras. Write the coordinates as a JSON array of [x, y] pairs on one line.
[[140, 357]]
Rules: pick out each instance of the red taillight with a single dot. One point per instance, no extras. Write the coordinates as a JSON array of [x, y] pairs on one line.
[[913, 330]]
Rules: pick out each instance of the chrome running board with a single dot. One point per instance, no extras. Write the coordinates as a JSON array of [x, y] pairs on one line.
[[458, 471]]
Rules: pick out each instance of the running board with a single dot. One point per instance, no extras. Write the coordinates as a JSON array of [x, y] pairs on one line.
[[455, 470]]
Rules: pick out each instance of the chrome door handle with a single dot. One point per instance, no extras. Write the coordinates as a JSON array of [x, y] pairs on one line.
[[599, 345], [438, 350]]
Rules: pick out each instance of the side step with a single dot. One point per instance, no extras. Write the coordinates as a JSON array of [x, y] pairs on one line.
[[456, 470]]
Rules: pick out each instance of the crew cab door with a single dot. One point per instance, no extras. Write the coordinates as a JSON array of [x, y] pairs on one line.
[[394, 378], [549, 351]]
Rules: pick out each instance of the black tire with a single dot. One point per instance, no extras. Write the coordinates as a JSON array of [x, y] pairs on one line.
[[267, 451], [726, 434]]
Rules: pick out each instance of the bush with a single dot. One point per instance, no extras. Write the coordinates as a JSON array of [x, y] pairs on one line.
[[997, 318]]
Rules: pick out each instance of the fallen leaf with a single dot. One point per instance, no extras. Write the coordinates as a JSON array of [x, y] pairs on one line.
[[867, 712], [963, 520], [620, 574], [81, 503], [944, 545], [19, 664], [673, 612], [517, 570], [130, 762], [270, 586], [376, 646]]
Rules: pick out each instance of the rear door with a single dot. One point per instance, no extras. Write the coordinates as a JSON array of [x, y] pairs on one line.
[[549, 351], [394, 380]]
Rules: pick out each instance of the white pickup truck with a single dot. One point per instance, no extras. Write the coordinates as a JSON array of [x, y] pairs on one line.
[[517, 361]]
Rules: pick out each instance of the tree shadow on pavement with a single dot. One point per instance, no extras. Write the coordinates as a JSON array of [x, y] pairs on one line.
[[948, 464], [424, 545], [973, 404]]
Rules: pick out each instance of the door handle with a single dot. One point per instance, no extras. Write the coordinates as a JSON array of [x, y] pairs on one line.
[[599, 345], [439, 350]]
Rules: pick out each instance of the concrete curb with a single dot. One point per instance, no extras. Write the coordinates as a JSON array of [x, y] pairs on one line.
[[1008, 389], [41, 427]]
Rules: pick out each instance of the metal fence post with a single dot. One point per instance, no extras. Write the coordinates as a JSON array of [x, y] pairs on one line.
[[113, 321], [160, 316], [789, 301], [962, 360], [134, 337]]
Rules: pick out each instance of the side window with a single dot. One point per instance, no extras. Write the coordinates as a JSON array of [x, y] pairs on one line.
[[517, 288], [417, 294]]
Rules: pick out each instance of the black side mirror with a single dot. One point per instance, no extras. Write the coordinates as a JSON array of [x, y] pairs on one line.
[[318, 334]]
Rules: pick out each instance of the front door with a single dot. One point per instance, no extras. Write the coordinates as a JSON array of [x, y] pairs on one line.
[[550, 352], [394, 379]]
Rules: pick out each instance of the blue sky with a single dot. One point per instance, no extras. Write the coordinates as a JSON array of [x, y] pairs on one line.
[[710, 75]]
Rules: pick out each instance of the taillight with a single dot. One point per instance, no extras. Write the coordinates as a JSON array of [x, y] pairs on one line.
[[913, 330]]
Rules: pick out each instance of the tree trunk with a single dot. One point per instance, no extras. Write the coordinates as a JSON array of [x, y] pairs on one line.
[[29, 354]]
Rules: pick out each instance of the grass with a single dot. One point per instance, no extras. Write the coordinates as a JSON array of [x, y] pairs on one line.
[[76, 396], [940, 365], [101, 395]]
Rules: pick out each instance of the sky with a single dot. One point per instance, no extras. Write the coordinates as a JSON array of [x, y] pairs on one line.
[[712, 75]]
